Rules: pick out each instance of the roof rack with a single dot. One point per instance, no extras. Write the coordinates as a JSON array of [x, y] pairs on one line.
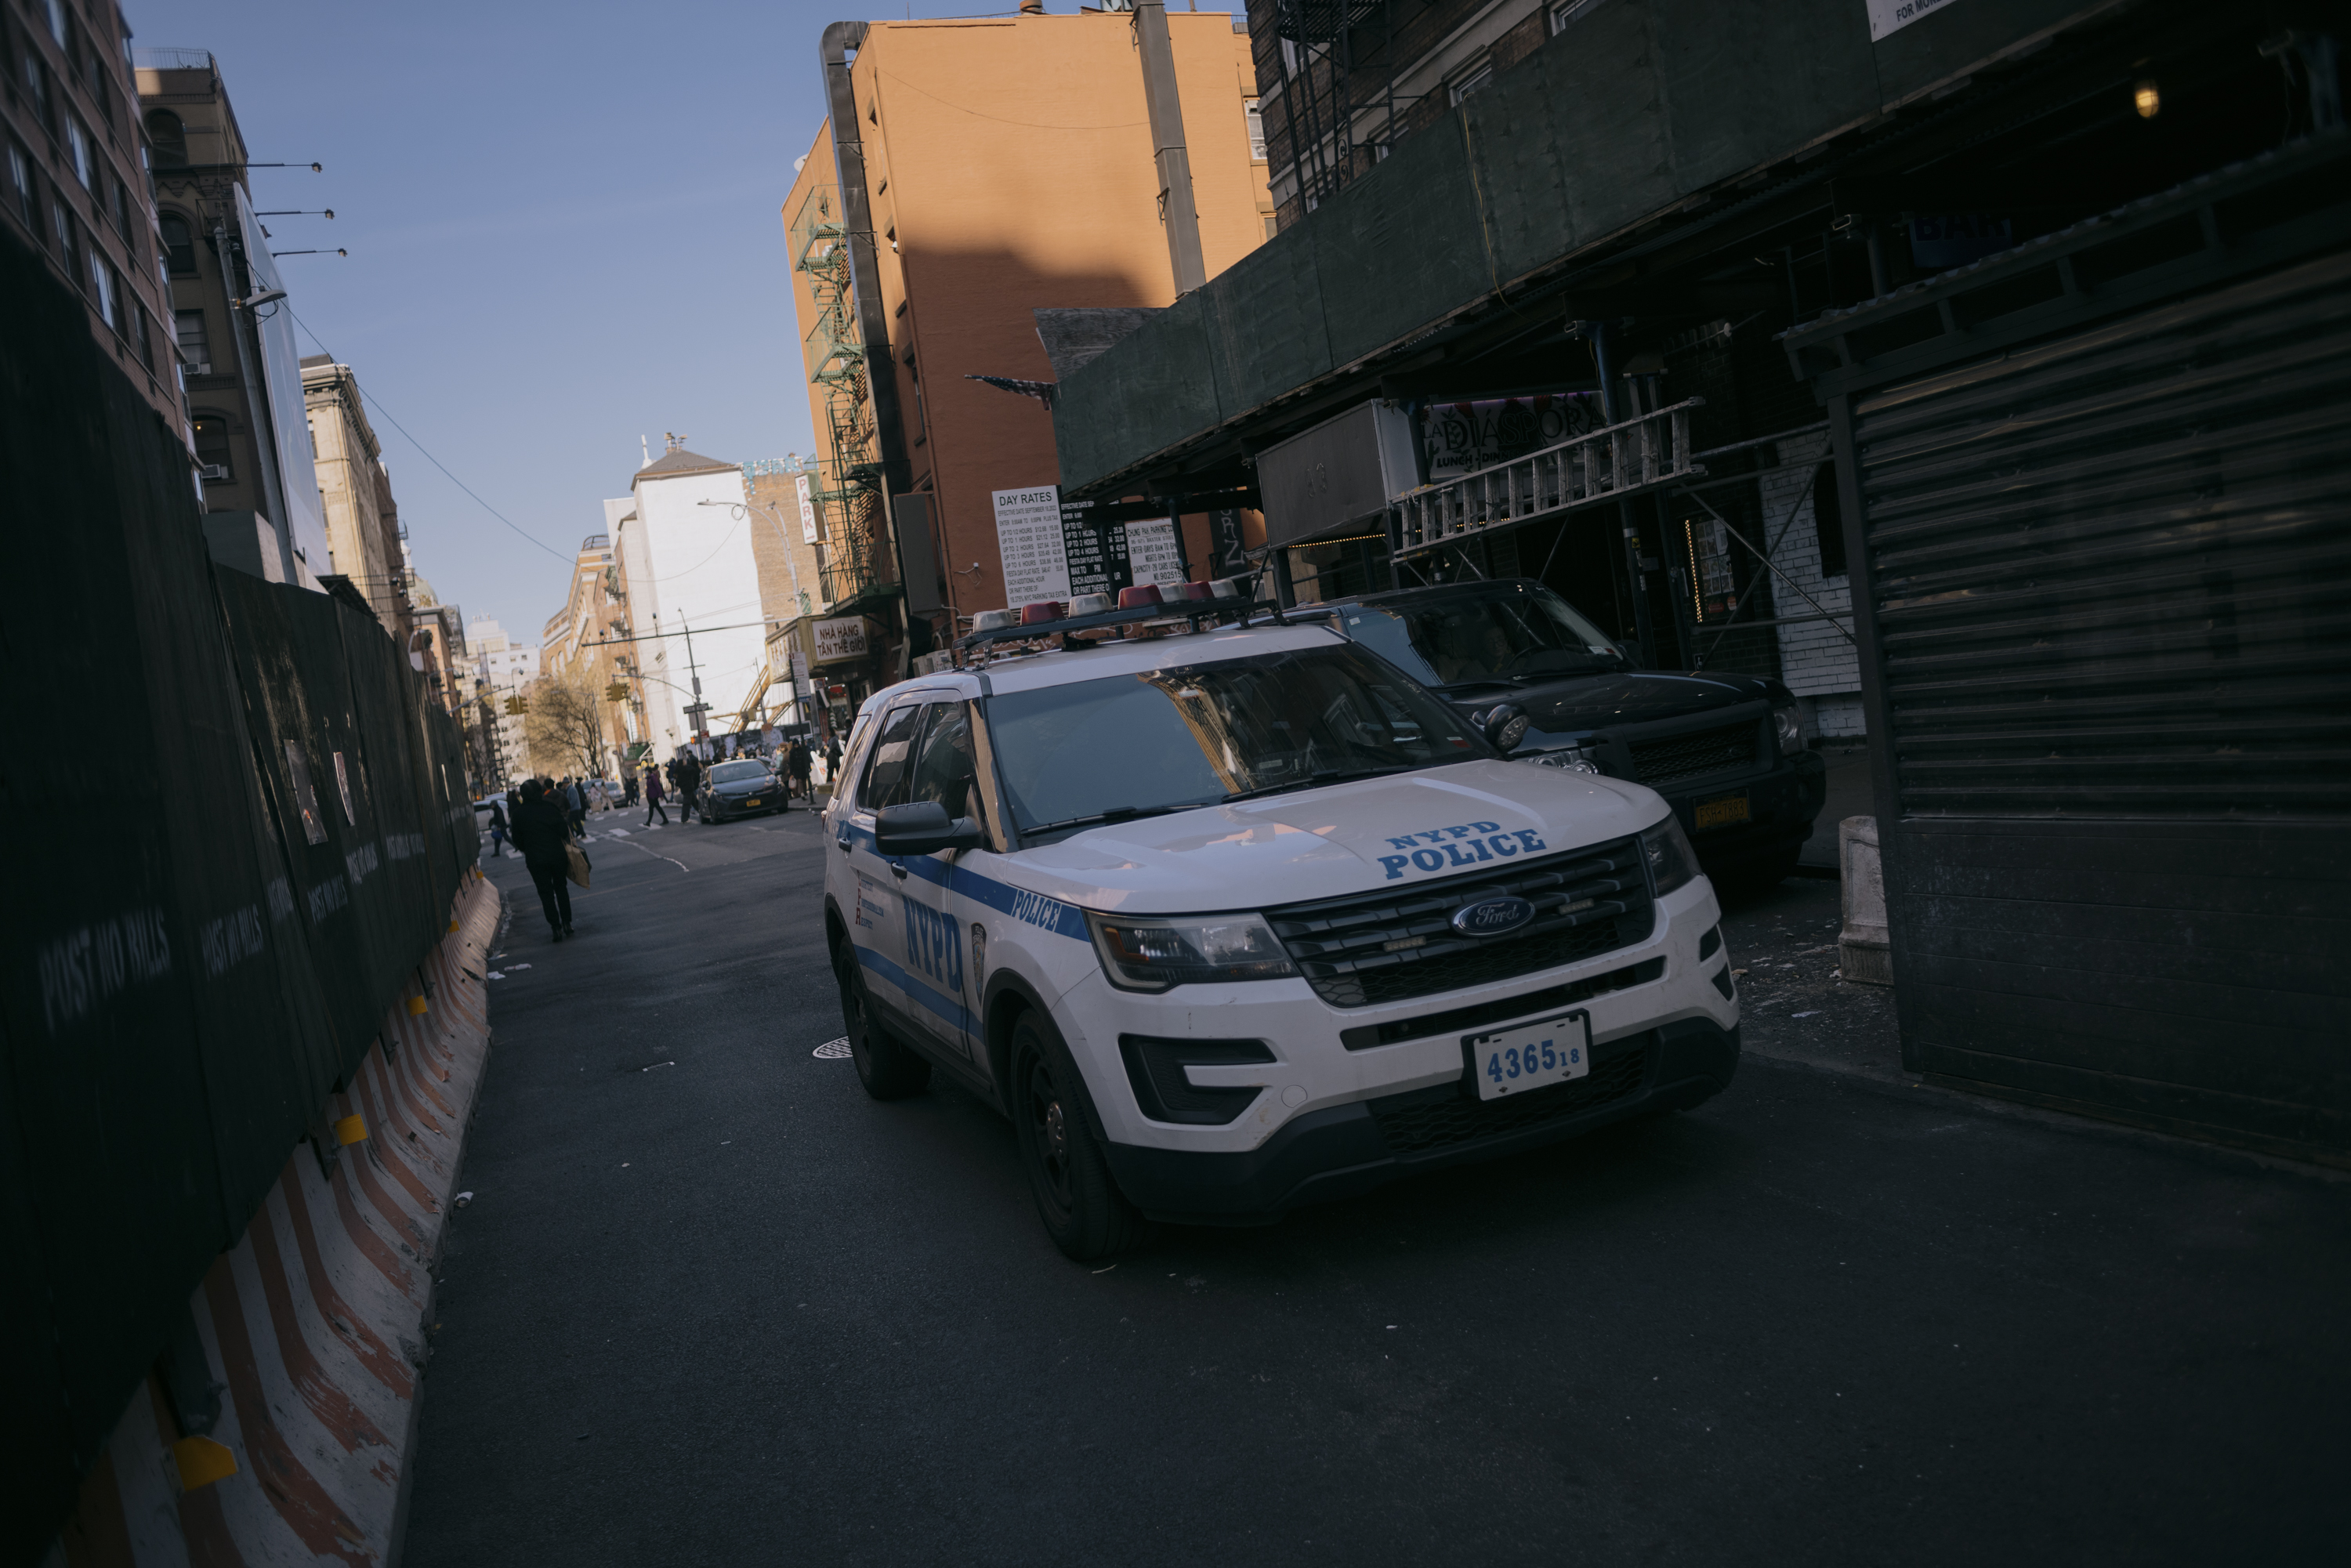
[[1193, 611]]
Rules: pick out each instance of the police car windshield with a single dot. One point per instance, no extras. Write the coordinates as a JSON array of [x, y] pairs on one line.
[[1502, 633], [736, 772], [1125, 745]]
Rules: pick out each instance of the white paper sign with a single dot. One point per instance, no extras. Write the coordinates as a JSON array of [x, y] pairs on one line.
[[1151, 552], [1029, 536], [841, 639], [1892, 15], [808, 508]]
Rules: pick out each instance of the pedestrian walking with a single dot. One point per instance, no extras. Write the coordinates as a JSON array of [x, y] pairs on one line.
[[629, 789], [544, 837], [654, 797], [575, 808], [689, 780], [798, 762], [833, 766], [497, 831]]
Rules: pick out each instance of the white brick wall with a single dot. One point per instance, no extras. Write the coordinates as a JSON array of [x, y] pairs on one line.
[[1815, 660]]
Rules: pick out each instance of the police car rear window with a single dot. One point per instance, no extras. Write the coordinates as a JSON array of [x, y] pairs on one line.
[[1125, 745]]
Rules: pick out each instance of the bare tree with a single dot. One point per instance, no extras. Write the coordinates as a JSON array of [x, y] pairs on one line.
[[565, 726]]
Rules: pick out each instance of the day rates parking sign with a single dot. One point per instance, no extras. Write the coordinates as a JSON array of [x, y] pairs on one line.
[[1029, 538], [1053, 550]]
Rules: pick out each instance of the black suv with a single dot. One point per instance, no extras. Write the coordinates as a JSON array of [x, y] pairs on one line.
[[1727, 752], [738, 788]]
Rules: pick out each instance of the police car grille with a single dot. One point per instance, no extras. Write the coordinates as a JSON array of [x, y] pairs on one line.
[[1398, 944], [1447, 1115], [1690, 756]]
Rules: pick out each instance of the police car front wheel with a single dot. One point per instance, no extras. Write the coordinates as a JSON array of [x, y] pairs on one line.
[[1084, 1210]]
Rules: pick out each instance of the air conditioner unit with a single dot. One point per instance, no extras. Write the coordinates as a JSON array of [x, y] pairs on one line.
[[212, 471], [200, 370]]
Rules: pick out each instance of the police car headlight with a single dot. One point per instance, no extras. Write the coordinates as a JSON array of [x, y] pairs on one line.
[[1788, 723], [1571, 759], [1153, 955], [1671, 862]]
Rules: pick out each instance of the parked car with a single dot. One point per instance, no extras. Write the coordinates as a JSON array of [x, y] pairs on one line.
[[1727, 751], [1230, 922], [742, 788]]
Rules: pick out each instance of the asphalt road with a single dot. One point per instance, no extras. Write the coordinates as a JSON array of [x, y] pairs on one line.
[[712, 1305]]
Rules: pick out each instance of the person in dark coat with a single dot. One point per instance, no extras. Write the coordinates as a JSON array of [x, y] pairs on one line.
[[497, 831], [654, 797], [800, 766], [544, 837], [689, 780]]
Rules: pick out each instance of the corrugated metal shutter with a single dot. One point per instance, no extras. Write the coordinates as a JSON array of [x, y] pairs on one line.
[[2098, 497], [2112, 575]]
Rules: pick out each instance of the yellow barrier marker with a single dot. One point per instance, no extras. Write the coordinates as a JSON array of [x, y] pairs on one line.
[[416, 1006], [452, 925], [350, 1129], [201, 1462]]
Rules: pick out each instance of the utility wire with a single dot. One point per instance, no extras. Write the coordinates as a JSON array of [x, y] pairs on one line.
[[566, 560]]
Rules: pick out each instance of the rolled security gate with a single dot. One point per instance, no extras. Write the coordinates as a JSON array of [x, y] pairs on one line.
[[2098, 499]]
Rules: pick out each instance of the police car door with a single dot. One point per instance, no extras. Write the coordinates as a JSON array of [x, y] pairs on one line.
[[938, 983], [878, 924]]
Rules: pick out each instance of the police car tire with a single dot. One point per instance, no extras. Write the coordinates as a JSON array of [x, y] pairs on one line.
[[888, 1070], [1084, 1213]]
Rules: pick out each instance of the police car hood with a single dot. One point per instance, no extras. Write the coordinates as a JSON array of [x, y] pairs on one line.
[[1346, 837]]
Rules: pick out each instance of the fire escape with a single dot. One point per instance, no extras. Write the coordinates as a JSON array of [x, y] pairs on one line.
[[1338, 63], [849, 497]]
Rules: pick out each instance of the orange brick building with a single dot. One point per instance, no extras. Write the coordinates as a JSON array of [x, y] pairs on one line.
[[1008, 166]]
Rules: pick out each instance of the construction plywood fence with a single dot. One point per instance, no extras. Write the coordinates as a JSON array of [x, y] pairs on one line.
[[239, 825], [2098, 531]]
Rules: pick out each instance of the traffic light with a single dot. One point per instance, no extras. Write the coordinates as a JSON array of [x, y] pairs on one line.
[[517, 705], [617, 691]]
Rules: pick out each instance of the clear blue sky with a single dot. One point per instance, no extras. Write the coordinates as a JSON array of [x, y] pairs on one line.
[[564, 235]]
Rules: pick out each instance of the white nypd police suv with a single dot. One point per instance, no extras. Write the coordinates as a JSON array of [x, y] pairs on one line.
[[1237, 921]]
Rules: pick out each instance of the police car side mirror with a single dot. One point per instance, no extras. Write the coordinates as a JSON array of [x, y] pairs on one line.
[[922, 828]]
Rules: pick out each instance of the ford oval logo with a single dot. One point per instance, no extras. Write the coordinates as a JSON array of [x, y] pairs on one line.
[[1492, 917]]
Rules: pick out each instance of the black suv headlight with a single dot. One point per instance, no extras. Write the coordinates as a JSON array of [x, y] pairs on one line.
[[1788, 724], [1668, 851], [1152, 953]]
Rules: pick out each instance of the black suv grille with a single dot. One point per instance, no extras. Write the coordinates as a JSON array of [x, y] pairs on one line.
[[1352, 950], [1450, 1113], [1716, 750]]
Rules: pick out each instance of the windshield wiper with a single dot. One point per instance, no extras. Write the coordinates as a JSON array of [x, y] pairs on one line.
[[1328, 775], [1115, 814]]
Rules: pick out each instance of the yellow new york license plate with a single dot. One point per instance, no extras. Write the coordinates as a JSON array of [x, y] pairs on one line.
[[1722, 813]]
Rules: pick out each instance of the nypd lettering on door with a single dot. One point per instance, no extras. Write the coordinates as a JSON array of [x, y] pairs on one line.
[[932, 945], [1465, 844]]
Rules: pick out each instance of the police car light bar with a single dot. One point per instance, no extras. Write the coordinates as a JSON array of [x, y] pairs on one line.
[[1192, 610]]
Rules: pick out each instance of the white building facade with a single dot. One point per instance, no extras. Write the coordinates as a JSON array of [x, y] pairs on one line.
[[685, 547], [508, 670]]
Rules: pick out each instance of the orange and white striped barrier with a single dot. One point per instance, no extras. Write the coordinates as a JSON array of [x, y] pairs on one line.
[[316, 1321]]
